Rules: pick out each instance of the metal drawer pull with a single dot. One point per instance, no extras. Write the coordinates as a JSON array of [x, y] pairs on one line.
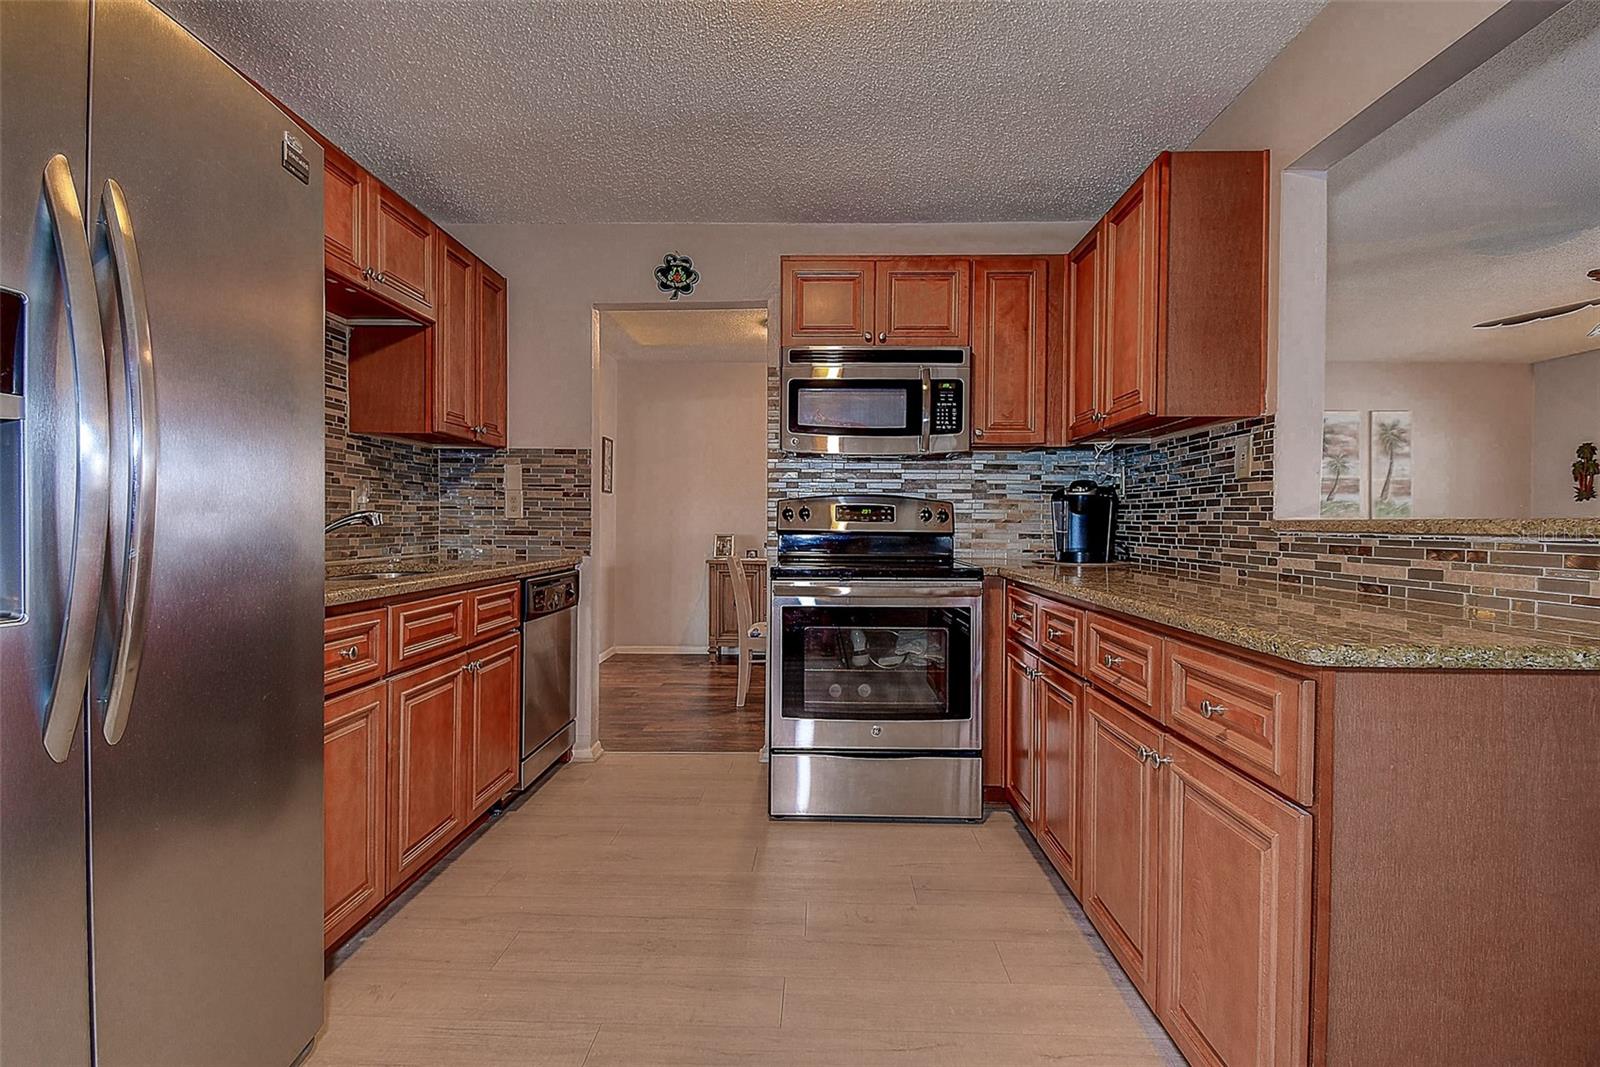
[[1053, 633], [1111, 660], [1018, 616], [350, 653], [1159, 762], [1145, 754], [472, 666], [1209, 709]]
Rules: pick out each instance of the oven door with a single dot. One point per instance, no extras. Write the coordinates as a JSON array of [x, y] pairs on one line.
[[875, 665]]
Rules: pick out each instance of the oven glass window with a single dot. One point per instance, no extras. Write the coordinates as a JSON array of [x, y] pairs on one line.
[[876, 663], [855, 407]]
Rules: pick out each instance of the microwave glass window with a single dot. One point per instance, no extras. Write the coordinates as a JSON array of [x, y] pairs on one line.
[[893, 407]]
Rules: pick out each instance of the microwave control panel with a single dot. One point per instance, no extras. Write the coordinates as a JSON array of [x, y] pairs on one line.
[[946, 406]]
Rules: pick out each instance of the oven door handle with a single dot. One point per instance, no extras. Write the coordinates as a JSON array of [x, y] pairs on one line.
[[874, 590], [926, 441]]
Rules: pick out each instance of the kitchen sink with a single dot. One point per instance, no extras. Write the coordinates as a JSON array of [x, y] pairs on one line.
[[374, 576]]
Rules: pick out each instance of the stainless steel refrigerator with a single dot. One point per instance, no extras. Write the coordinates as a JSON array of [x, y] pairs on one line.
[[160, 550]]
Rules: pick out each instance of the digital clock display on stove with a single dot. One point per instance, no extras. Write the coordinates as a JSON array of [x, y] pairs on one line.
[[863, 513]]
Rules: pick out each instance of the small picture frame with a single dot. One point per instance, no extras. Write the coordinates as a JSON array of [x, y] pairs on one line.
[[608, 449], [752, 553], [722, 547]]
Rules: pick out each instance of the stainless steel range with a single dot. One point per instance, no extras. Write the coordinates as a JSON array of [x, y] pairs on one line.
[[874, 662]]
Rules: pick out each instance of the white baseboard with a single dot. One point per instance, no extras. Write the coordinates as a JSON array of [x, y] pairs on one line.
[[608, 653], [589, 755], [654, 650]]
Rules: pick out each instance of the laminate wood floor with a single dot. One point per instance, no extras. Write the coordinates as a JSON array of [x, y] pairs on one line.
[[678, 704], [643, 910]]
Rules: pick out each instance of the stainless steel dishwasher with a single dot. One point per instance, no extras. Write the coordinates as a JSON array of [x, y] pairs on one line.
[[549, 712]]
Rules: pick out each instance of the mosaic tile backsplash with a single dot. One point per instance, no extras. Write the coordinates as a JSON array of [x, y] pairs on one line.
[[443, 501], [1201, 504]]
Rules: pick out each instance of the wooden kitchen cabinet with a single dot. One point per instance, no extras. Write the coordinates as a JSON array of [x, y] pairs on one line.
[[1167, 300], [1022, 732], [1009, 337], [1235, 907], [1059, 702], [492, 741], [873, 300], [490, 357], [427, 807], [923, 300], [1119, 848], [354, 796], [455, 338], [378, 250]]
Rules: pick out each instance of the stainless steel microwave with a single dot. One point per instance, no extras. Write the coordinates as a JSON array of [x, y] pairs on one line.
[[877, 401]]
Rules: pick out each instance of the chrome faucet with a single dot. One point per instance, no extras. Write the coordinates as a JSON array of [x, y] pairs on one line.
[[355, 518]]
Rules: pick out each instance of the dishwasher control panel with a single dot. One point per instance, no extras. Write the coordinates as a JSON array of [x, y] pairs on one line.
[[542, 596]]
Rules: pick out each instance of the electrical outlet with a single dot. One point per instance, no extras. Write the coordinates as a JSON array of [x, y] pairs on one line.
[[513, 490], [1243, 466]]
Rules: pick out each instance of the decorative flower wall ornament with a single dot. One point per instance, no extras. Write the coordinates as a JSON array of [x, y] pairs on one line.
[[677, 275], [1585, 470]]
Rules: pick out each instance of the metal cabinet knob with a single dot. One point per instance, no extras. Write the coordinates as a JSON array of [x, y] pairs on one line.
[[1053, 633], [867, 337], [350, 653], [882, 337], [383, 278], [1209, 709], [1159, 762], [472, 666], [1111, 660], [977, 431], [1018, 616]]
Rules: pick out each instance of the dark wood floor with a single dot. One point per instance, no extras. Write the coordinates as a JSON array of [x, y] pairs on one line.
[[678, 704]]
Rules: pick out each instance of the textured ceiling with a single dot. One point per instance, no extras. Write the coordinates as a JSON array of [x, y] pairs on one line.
[[763, 111], [1482, 204], [708, 335]]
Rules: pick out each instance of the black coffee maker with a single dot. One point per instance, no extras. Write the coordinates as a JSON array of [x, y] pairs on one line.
[[1085, 515]]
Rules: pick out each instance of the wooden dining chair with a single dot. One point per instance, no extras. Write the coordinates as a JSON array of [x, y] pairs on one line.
[[752, 619]]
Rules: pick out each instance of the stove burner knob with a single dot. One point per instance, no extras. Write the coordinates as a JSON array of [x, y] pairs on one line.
[[944, 514], [926, 514], [805, 514], [788, 514]]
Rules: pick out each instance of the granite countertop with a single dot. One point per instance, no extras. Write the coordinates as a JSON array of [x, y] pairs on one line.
[[347, 583], [1323, 629]]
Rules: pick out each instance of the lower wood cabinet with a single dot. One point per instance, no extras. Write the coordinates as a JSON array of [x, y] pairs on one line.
[[1022, 732], [427, 795], [1117, 872], [355, 769], [492, 742], [1234, 977], [1058, 698]]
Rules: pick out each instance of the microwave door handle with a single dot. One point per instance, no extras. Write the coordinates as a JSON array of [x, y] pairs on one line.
[[91, 495], [926, 440]]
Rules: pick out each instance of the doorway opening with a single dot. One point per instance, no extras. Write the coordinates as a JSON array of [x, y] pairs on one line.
[[679, 516]]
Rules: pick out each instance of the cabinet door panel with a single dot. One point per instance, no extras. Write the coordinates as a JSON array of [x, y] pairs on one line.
[[427, 717], [344, 216], [354, 773], [403, 251], [1085, 302], [923, 300], [353, 649], [422, 629], [493, 747], [455, 370], [491, 353], [1236, 916], [1060, 698], [827, 301], [1132, 236], [1124, 659], [1118, 850], [1021, 732], [1008, 350]]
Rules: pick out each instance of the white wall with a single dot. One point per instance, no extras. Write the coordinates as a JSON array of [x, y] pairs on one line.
[[558, 273], [1471, 430], [1566, 399], [691, 463]]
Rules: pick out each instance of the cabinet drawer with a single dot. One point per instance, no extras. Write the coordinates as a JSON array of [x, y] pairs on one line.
[[496, 609], [1255, 718], [1060, 633], [423, 629], [353, 650], [1022, 615], [1123, 660]]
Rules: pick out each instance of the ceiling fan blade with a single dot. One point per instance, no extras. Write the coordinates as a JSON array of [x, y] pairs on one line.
[[1537, 316]]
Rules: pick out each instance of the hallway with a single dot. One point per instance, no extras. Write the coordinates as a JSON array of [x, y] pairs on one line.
[[652, 703]]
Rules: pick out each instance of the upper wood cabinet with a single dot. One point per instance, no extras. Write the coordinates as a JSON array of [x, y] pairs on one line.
[[1009, 318], [866, 300], [1167, 300], [444, 384], [1235, 916], [379, 251]]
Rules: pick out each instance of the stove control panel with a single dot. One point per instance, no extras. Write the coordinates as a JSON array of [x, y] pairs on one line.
[[865, 514]]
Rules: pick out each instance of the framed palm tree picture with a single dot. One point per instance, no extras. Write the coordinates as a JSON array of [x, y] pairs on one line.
[[1343, 472], [1391, 464]]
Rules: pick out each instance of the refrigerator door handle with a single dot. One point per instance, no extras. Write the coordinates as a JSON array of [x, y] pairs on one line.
[[122, 642], [91, 502]]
